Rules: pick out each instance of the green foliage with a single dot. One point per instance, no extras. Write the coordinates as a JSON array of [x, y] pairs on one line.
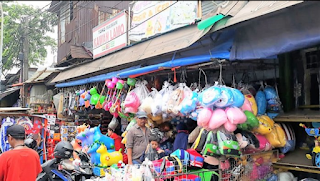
[[40, 22]]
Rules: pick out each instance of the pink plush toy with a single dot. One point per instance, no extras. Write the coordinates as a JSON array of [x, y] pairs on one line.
[[229, 126], [218, 118], [204, 117], [131, 103], [235, 115]]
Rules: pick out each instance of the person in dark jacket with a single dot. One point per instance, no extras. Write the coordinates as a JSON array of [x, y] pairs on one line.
[[181, 140]]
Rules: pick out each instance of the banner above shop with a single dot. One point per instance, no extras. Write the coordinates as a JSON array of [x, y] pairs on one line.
[[110, 35], [156, 17]]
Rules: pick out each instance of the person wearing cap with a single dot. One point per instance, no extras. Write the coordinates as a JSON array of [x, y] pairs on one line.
[[137, 139], [117, 139], [20, 163]]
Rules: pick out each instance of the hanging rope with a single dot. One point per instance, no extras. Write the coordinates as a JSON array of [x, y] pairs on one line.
[[205, 78]]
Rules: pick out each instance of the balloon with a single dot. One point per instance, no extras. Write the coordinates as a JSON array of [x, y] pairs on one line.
[[204, 117], [106, 82], [210, 96], [119, 85], [93, 91], [235, 115], [217, 119], [225, 99], [111, 85], [81, 101], [229, 126], [102, 98], [108, 159], [94, 99], [131, 81], [261, 102], [253, 103], [238, 97], [88, 97], [114, 80]]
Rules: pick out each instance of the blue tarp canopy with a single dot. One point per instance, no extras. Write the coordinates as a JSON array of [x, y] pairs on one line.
[[98, 78]]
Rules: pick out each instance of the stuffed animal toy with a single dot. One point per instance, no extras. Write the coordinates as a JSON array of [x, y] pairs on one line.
[[250, 123]]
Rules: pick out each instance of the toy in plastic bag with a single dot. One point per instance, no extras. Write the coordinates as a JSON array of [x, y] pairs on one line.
[[251, 122], [176, 98], [211, 145], [273, 102], [235, 115], [189, 104], [277, 137], [261, 102], [141, 90], [253, 103], [210, 96], [194, 115], [238, 98], [217, 119], [131, 103], [204, 117], [165, 92], [200, 141], [265, 125], [229, 126], [226, 98], [228, 144], [290, 138], [156, 107], [146, 105], [246, 106]]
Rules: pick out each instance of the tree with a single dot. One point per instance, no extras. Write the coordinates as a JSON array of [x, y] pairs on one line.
[[40, 22]]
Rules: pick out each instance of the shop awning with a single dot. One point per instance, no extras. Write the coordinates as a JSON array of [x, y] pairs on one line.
[[165, 43], [173, 64], [42, 73], [98, 78], [8, 92]]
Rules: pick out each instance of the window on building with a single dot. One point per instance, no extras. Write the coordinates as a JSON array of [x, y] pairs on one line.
[[65, 15], [103, 16]]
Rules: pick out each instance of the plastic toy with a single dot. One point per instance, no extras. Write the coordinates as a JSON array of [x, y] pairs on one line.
[[290, 138], [273, 103], [265, 125], [277, 137], [235, 115], [82, 128], [246, 106], [315, 153], [261, 102], [108, 159], [94, 156], [210, 96], [98, 136], [204, 117], [174, 100], [217, 119], [211, 145], [189, 104], [201, 140], [226, 98], [238, 98], [251, 122], [253, 103], [229, 126], [131, 103]]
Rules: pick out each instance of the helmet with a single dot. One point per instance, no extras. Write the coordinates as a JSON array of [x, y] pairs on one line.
[[63, 150], [31, 143]]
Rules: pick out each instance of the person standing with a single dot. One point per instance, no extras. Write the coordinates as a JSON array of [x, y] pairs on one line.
[[137, 139], [21, 163]]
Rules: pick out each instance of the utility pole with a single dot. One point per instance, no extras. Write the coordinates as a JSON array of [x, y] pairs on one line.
[[25, 63], [1, 45]]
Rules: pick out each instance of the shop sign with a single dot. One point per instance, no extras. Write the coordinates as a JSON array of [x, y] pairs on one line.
[[156, 17], [110, 35]]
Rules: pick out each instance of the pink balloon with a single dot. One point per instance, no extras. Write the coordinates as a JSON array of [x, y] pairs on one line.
[[204, 117], [229, 126], [111, 85], [246, 105], [218, 118], [114, 80], [235, 115], [121, 81]]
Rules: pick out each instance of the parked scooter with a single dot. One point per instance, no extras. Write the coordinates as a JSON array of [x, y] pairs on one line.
[[61, 168]]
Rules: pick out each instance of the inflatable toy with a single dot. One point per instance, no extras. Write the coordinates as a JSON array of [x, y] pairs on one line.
[[98, 136], [261, 102], [189, 104], [226, 98], [217, 119], [238, 98], [246, 106], [290, 138], [82, 128], [204, 117], [235, 115], [229, 126], [251, 122], [93, 91], [94, 156], [253, 103], [210, 96], [108, 159], [210, 147], [265, 125], [194, 115], [273, 103]]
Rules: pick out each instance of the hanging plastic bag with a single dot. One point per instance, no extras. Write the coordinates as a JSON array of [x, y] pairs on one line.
[[175, 99], [235, 115], [189, 104], [131, 103], [141, 90], [238, 98], [273, 101], [211, 145], [226, 97], [228, 144], [156, 106], [217, 119], [210, 96], [148, 101], [166, 90], [204, 117], [261, 102]]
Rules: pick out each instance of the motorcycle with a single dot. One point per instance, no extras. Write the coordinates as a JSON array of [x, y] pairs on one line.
[[61, 168]]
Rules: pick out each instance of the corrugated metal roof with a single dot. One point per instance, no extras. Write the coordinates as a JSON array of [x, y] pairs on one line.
[[166, 43], [8, 92], [42, 73], [79, 52]]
